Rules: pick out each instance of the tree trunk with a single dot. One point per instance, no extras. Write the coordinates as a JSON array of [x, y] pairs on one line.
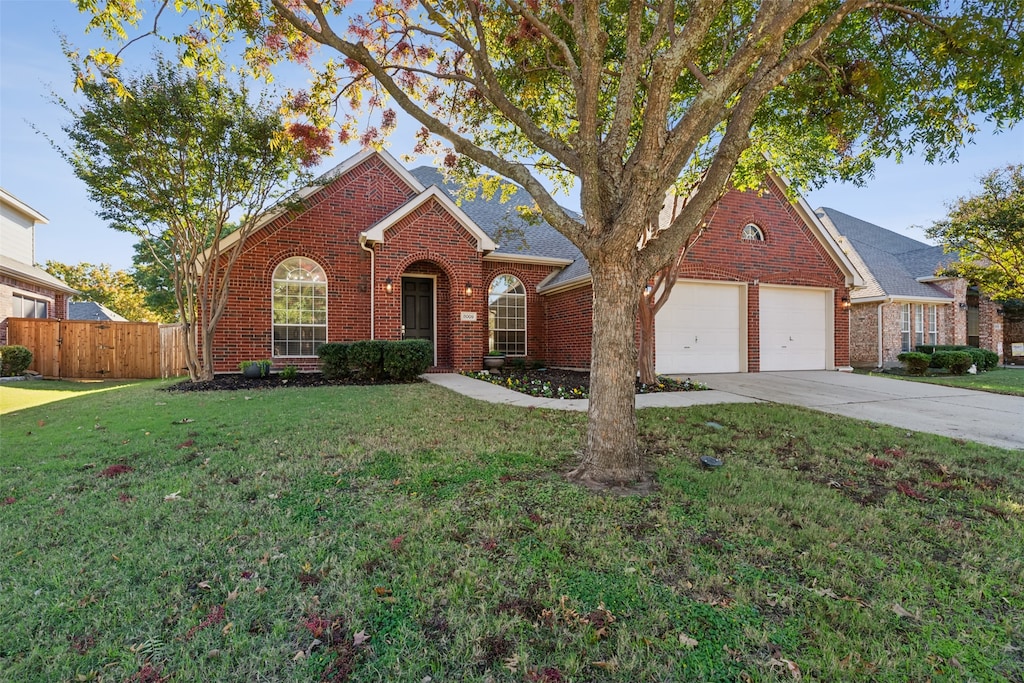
[[645, 360], [612, 456]]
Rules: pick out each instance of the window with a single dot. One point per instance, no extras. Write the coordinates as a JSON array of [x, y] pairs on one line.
[[918, 325], [752, 233], [25, 307], [905, 327], [506, 315], [300, 307], [933, 324]]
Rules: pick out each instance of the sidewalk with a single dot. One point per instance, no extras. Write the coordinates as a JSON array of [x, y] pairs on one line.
[[492, 393]]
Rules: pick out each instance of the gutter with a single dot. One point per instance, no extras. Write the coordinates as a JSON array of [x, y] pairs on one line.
[[373, 282]]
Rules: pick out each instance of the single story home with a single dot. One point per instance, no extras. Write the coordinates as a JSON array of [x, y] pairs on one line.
[[906, 301], [382, 252], [25, 290]]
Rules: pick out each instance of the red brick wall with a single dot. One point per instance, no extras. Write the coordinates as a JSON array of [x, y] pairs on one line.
[[326, 231], [568, 322]]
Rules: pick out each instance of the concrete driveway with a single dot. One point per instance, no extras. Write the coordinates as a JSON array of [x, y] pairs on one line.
[[960, 413]]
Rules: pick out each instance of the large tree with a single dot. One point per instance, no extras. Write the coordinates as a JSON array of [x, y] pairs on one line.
[[631, 97], [172, 156], [986, 231]]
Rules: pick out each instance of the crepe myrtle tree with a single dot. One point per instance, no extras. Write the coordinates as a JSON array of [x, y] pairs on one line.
[[180, 159], [628, 98]]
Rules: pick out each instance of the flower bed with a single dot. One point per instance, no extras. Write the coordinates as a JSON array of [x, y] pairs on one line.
[[568, 384]]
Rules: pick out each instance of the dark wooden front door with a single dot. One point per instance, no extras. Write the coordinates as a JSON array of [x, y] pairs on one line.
[[418, 308]]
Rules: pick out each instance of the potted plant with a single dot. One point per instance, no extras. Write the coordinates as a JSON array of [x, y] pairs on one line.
[[494, 360], [254, 369]]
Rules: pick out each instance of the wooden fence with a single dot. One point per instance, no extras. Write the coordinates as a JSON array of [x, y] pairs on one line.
[[80, 349]]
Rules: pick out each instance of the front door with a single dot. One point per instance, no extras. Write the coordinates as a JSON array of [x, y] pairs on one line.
[[418, 308]]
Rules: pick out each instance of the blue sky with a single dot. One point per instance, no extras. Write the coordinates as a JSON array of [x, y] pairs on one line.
[[32, 66]]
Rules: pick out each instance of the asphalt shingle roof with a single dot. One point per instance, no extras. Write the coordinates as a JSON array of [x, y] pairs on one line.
[[90, 310], [503, 224], [893, 262]]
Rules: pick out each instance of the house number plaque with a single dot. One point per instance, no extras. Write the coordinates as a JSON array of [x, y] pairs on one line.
[[468, 316]]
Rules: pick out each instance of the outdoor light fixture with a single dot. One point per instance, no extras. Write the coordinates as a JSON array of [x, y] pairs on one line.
[[846, 301], [648, 289], [469, 289], [963, 306], [388, 287]]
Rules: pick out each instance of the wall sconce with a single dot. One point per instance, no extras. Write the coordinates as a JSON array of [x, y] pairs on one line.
[[388, 286], [648, 289], [963, 306], [846, 301], [469, 289]]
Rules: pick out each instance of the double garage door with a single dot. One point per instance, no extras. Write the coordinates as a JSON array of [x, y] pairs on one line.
[[702, 328]]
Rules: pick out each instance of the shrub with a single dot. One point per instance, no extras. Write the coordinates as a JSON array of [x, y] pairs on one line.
[[915, 362], [991, 359], [14, 360], [366, 359], [407, 359], [289, 372], [334, 360], [957, 362]]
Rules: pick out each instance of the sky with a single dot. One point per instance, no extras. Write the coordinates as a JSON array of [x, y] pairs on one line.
[[903, 197]]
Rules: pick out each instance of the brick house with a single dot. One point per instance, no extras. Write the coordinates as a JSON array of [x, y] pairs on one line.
[[382, 252], [904, 303], [25, 290]]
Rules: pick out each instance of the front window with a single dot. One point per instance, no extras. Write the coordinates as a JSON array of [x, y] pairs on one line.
[[506, 315], [300, 307], [26, 307], [933, 324], [905, 327]]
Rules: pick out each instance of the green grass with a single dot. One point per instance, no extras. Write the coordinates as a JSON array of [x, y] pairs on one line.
[[442, 530], [998, 381], [28, 394]]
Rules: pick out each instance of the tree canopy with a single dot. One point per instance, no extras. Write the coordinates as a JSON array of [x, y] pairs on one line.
[[986, 231], [118, 290], [630, 98]]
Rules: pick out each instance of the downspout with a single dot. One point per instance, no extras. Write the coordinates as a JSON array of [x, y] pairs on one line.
[[881, 349], [373, 281]]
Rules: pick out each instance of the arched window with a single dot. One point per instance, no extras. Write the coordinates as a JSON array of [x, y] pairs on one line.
[[300, 307], [506, 315], [752, 232]]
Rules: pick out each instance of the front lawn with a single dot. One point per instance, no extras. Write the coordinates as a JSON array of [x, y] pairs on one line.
[[998, 381], [404, 533]]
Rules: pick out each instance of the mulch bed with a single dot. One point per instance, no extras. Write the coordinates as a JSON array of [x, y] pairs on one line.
[[538, 382]]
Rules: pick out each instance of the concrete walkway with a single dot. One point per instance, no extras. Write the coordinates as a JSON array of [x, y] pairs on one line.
[[959, 413]]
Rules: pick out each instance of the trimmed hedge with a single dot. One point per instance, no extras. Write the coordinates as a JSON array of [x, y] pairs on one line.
[[14, 360], [366, 359], [334, 360], [983, 358], [957, 362], [915, 362], [405, 360], [375, 360]]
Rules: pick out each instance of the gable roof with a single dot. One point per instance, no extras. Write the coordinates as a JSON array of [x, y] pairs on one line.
[[376, 232], [21, 207], [513, 234], [894, 264], [90, 310]]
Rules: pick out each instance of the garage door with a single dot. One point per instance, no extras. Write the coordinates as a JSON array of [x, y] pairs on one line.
[[698, 329], [795, 328]]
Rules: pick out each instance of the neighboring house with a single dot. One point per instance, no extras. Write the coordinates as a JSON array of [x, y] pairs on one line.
[[90, 310], [25, 291], [381, 252], [905, 303]]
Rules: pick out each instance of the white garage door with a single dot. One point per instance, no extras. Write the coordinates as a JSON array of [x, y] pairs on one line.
[[698, 329], [795, 328]]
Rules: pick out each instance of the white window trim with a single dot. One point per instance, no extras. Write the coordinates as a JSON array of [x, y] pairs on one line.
[[905, 337], [933, 324], [757, 228], [526, 314], [327, 312], [918, 325]]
